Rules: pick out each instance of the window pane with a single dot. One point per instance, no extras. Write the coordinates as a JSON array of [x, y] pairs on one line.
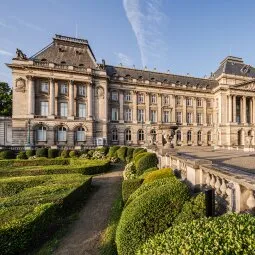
[[82, 110], [63, 109], [44, 108]]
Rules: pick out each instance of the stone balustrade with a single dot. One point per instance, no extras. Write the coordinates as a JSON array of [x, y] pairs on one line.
[[234, 190]]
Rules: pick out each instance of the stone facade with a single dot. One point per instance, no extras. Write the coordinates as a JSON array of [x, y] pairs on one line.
[[5, 131], [62, 97]]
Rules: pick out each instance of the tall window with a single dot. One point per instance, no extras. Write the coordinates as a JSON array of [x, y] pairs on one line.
[[166, 116], [41, 134], [153, 99], [209, 103], [63, 109], [153, 116], [61, 134], [115, 135], [64, 88], [189, 118], [115, 114], [178, 117], [209, 136], [128, 135], [45, 86], [128, 114], [178, 136], [199, 136], [178, 100], [127, 96], [166, 100], [189, 136], [44, 109], [82, 90], [199, 118], [80, 134], [82, 110], [140, 115], [140, 98], [189, 101], [115, 96], [140, 135], [199, 102], [209, 119]]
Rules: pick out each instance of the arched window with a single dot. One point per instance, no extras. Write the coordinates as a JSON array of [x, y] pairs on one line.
[[199, 136], [128, 135], [115, 135], [80, 134], [209, 136], [189, 136], [140, 135], [61, 134], [178, 135], [41, 134]]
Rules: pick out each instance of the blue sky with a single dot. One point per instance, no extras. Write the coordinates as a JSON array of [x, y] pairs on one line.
[[182, 36]]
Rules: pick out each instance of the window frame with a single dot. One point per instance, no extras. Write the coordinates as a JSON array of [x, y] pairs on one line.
[[43, 131], [140, 135], [44, 110], [60, 133]]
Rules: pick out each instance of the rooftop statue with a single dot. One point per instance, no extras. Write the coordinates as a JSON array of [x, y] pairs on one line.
[[20, 55]]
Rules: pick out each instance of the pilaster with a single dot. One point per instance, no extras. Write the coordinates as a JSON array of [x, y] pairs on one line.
[[52, 99], [71, 100], [134, 110]]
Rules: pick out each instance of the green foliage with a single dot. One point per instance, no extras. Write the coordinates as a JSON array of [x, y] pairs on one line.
[[7, 154], [103, 150], [53, 153], [138, 156], [138, 150], [5, 99], [130, 186], [147, 161], [121, 153], [21, 155], [150, 213], [129, 156], [91, 152], [42, 152], [113, 151], [230, 234], [129, 171], [65, 154], [30, 153], [158, 174], [147, 171], [73, 154]]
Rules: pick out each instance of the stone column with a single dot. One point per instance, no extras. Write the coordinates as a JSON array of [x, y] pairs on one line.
[[134, 107], [147, 108], [90, 98], [234, 109], [31, 96], [194, 111], [173, 109], [244, 117], [121, 119], [52, 98], [204, 112], [106, 103], [184, 111], [159, 108], [251, 109], [229, 108], [71, 100]]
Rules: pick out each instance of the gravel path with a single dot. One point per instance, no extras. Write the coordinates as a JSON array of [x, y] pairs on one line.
[[83, 237]]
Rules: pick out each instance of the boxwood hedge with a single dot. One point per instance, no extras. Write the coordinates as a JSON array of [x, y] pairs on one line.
[[151, 213], [149, 160], [113, 151], [7, 154], [138, 150], [230, 234], [129, 156], [129, 186], [41, 152], [121, 153], [158, 174]]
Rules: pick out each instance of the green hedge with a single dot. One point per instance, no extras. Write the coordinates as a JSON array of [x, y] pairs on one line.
[[129, 156], [147, 171], [113, 151], [65, 154], [30, 153], [22, 155], [158, 174], [121, 153], [103, 150], [53, 153], [41, 152], [230, 234], [138, 150], [147, 161], [138, 156], [7, 154], [149, 214], [129, 186]]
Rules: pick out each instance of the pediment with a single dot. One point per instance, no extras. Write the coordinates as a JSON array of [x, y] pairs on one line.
[[247, 86]]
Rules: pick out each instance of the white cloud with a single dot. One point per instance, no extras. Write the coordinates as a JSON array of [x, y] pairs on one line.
[[124, 59], [5, 53], [26, 24], [146, 18]]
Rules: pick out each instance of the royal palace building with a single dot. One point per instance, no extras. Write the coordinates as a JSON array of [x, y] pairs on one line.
[[63, 97]]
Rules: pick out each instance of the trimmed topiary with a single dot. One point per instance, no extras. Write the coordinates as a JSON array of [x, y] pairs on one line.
[[42, 152], [91, 152], [146, 172], [22, 155], [30, 153], [138, 150], [7, 154], [121, 153], [129, 186], [73, 154], [113, 151], [65, 154], [228, 234], [138, 156], [103, 150], [147, 161], [53, 153], [158, 174], [129, 156], [149, 214]]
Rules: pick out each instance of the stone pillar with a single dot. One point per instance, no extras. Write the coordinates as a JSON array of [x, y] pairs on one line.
[[204, 112], [251, 109], [230, 109], [52, 98], [31, 96], [121, 118], [184, 111], [194, 111], [234, 109], [147, 108], [173, 109], [71, 100], [90, 98], [106, 102], [134, 107], [159, 108], [244, 115]]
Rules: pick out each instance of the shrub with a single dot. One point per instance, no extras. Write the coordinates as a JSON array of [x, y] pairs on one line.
[[138, 156], [30, 153], [147, 161], [22, 155], [73, 154], [121, 153], [229, 234], [129, 156], [7, 154], [53, 153], [137, 151], [103, 150], [129, 171], [147, 171], [149, 214], [98, 155], [91, 152], [130, 186], [158, 174], [65, 154], [113, 151], [42, 152]]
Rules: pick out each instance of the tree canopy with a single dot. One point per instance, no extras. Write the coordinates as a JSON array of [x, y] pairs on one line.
[[5, 99]]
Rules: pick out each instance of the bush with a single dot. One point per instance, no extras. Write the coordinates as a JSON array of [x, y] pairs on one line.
[[22, 155], [147, 161], [42, 152], [229, 234], [91, 152], [138, 156], [53, 153], [73, 154], [137, 151], [130, 186], [113, 151], [103, 150], [129, 156], [121, 153], [149, 214], [158, 174], [7, 154], [146, 172], [129, 171], [65, 154], [30, 153]]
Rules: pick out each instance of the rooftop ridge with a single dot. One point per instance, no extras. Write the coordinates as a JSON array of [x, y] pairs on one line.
[[232, 59], [70, 39]]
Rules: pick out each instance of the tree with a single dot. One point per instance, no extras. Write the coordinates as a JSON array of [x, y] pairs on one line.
[[5, 99]]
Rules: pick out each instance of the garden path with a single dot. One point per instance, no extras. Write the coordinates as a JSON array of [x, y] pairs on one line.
[[84, 236]]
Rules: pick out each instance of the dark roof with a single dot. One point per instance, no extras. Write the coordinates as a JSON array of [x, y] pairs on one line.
[[67, 50], [235, 66], [114, 71]]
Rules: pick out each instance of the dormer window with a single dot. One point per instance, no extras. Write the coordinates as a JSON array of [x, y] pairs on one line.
[[43, 60], [140, 78], [165, 81], [127, 77], [81, 65], [63, 62]]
